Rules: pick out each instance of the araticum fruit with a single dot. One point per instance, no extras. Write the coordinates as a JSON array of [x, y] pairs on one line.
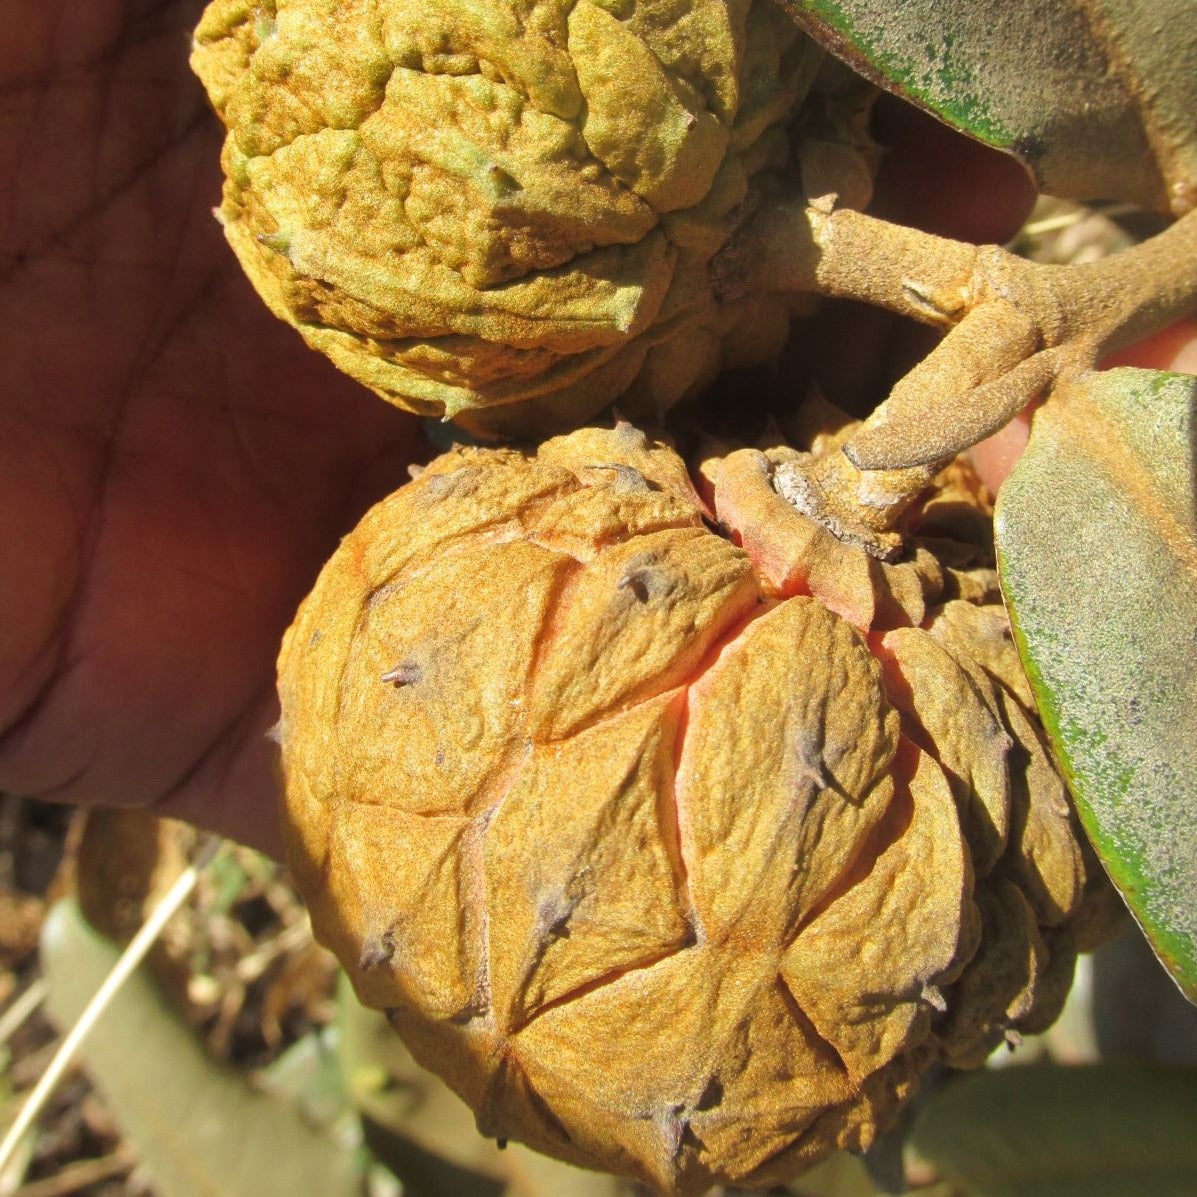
[[506, 211], [678, 854]]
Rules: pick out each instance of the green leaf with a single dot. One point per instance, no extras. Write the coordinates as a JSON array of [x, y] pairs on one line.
[[840, 1175], [308, 1075], [1097, 97], [197, 1127], [424, 1173], [1097, 547], [1045, 1131]]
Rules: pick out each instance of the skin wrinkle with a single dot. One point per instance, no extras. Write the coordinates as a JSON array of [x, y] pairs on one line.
[[179, 469], [103, 116], [37, 121], [108, 197], [59, 642], [92, 524]]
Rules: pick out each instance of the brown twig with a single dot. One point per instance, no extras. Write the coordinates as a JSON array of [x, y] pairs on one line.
[[78, 1176]]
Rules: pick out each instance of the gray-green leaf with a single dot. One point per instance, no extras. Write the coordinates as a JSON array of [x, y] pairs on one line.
[[1045, 1131], [198, 1128], [1097, 97], [1097, 547]]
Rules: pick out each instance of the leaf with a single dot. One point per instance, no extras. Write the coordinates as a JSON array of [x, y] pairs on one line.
[[197, 1126], [418, 1109], [1098, 98], [1121, 1130], [1097, 547], [840, 1175], [424, 1173], [1138, 1012], [308, 1075]]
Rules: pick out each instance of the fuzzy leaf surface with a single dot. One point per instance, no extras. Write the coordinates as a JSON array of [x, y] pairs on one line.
[[1097, 548], [196, 1126], [1121, 1130], [1098, 98]]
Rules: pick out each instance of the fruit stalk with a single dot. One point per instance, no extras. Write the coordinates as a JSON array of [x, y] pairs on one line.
[[1012, 328]]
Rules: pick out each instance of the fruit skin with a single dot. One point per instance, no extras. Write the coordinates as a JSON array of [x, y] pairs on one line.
[[506, 213], [675, 857]]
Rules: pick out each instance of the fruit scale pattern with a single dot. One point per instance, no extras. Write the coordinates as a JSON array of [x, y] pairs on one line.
[[677, 835], [510, 213]]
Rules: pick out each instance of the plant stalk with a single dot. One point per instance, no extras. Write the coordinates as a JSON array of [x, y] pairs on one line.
[[1012, 328]]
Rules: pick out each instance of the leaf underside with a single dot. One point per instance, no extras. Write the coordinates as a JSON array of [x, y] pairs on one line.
[[197, 1126], [1041, 1131], [1098, 98], [1097, 547]]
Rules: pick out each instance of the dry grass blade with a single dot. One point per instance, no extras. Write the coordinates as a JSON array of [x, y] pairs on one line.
[[20, 1010], [1068, 215], [129, 960]]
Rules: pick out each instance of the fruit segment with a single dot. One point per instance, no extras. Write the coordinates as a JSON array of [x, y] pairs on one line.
[[783, 773], [446, 687], [639, 620], [702, 1044], [946, 712], [666, 868], [998, 990], [582, 873], [417, 939], [904, 921]]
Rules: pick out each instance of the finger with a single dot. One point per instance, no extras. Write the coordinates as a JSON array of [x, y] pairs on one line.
[[1174, 348], [995, 456], [936, 179], [234, 788]]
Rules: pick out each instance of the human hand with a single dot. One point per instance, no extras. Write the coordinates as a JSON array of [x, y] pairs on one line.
[[174, 463]]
